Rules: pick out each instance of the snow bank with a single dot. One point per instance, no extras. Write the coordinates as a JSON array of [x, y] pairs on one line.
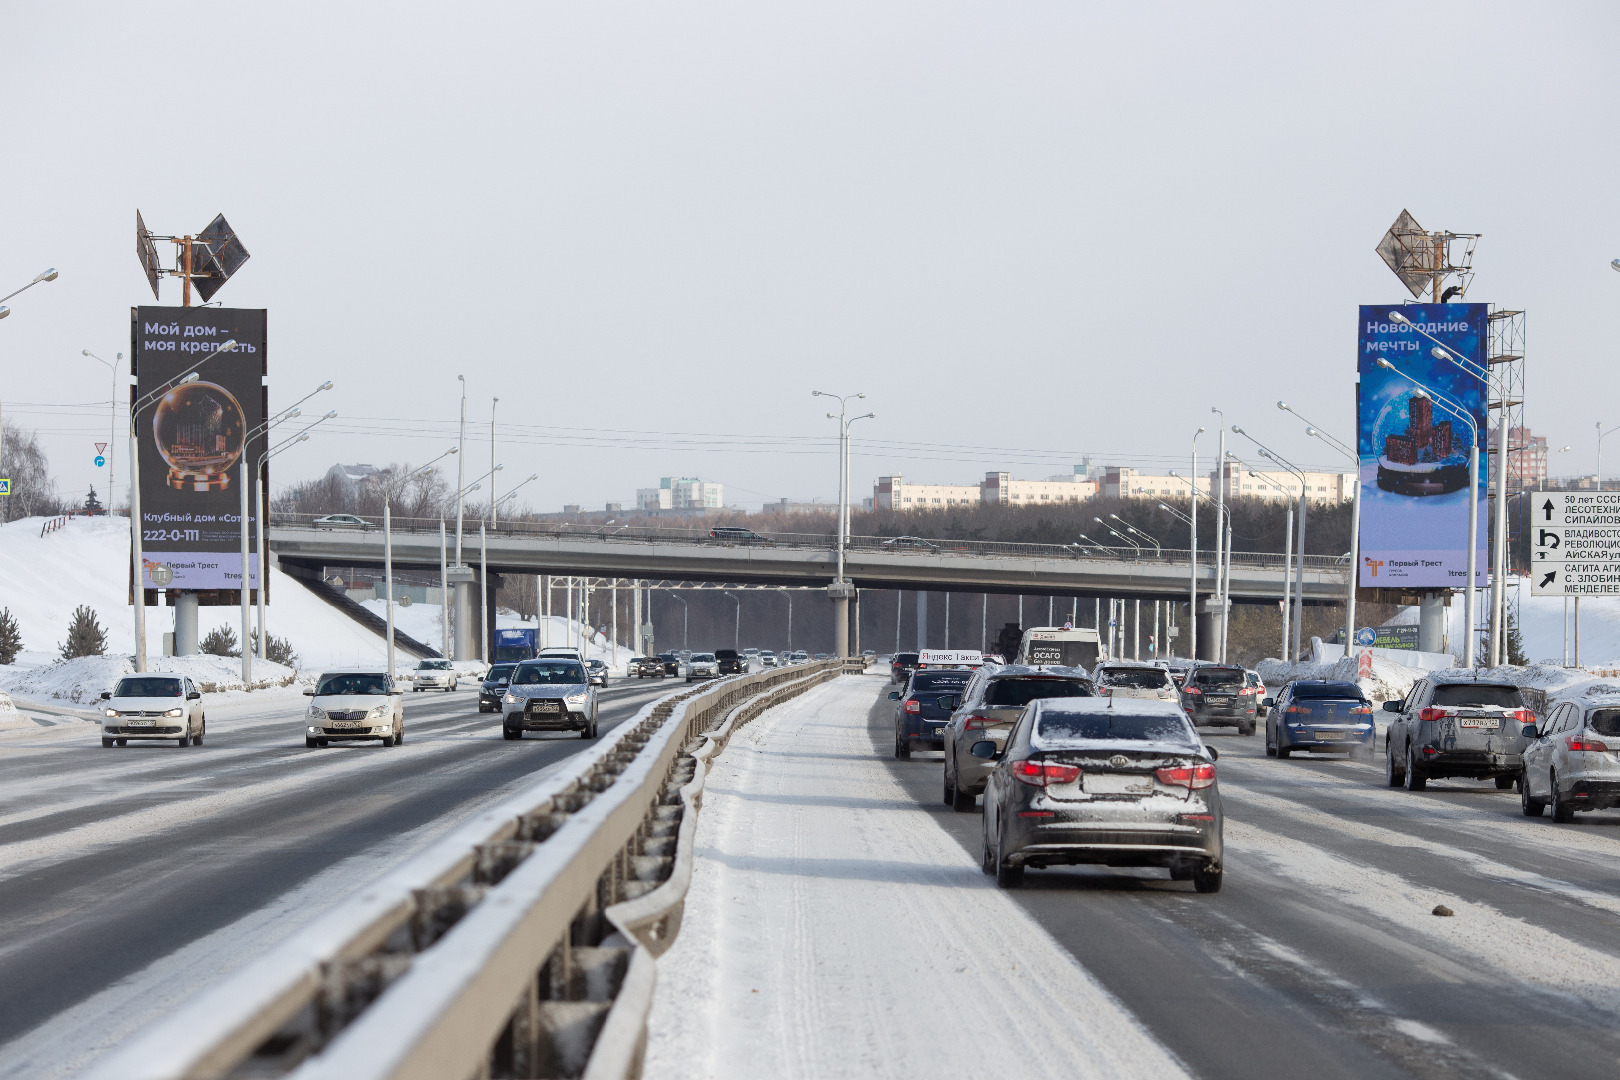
[[1543, 683], [82, 679]]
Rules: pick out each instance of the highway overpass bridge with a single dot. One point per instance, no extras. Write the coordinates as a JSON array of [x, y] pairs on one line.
[[806, 560]]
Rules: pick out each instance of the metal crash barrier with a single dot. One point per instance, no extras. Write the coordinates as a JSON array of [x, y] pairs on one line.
[[523, 944]]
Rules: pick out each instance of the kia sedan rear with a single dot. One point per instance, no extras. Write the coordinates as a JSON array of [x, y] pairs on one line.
[[1095, 780]]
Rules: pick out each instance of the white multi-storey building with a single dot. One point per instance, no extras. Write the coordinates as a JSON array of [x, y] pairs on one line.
[[681, 493]]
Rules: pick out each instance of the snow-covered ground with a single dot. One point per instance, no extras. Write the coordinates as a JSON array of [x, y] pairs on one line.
[[424, 622], [812, 940], [82, 679]]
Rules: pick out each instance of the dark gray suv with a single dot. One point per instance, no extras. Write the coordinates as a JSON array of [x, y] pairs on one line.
[[985, 709], [1456, 726]]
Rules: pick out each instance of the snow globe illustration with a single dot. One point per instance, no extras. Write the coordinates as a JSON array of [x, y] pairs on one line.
[[199, 429], [1420, 454]]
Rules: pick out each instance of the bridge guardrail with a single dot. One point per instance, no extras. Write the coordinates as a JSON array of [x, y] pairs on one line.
[[504, 949], [979, 548]]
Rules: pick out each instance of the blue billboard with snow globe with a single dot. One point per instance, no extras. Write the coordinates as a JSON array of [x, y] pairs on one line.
[[1418, 420]]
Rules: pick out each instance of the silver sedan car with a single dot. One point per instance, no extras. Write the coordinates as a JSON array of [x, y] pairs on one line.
[[1095, 780], [549, 695], [1574, 761], [702, 665]]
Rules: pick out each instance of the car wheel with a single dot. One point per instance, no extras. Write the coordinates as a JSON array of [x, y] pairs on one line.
[[196, 740], [902, 749], [309, 742], [950, 784], [1504, 782], [1531, 807], [123, 742], [323, 742], [106, 744], [1207, 879], [987, 861], [1393, 776], [399, 734], [184, 740], [1246, 729], [1563, 813], [1415, 780], [512, 733], [1007, 876], [1283, 751], [1271, 748], [963, 802]]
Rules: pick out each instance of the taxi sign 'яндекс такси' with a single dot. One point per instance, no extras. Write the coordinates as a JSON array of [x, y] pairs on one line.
[[1575, 543]]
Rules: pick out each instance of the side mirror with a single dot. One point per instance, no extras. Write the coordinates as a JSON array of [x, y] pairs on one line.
[[894, 695], [1267, 703], [194, 696], [309, 691], [106, 695], [1392, 706], [985, 749], [1214, 754], [1529, 731]]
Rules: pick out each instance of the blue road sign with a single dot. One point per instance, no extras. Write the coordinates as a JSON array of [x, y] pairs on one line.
[[5, 487], [100, 461], [1366, 636]]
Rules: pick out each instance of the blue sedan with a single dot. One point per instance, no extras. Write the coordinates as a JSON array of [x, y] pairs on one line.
[[1322, 717], [919, 718]]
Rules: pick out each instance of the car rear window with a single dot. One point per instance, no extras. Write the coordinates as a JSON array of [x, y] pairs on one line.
[[1604, 721], [940, 680], [147, 688], [902, 658], [1017, 692], [1136, 678], [719, 654], [1506, 697], [1056, 727], [1328, 690], [1219, 676]]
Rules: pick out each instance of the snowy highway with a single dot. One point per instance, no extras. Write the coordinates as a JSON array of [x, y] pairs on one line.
[[132, 877], [839, 925]]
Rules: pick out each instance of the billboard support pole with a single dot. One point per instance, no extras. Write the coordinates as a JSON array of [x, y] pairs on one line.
[[1299, 573], [137, 556], [247, 650], [1288, 579], [1192, 554], [185, 278], [388, 581], [1499, 540]]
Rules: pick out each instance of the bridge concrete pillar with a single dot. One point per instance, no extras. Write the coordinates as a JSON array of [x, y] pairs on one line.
[[840, 592], [1209, 630], [466, 616], [185, 623], [922, 620]]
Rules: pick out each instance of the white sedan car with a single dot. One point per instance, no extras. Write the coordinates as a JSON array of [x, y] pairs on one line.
[[434, 675], [702, 665], [152, 707], [350, 705]]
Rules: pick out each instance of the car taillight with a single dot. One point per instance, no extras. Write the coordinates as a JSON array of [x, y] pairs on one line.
[[1298, 709], [975, 722], [1577, 743], [1102, 691], [1361, 710], [1040, 774], [1192, 690], [913, 705], [1524, 716], [1248, 690], [1432, 714], [1191, 777]]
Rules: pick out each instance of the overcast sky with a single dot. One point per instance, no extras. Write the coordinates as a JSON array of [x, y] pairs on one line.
[[1026, 231]]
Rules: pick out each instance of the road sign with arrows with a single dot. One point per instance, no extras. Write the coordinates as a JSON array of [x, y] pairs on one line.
[[1575, 543]]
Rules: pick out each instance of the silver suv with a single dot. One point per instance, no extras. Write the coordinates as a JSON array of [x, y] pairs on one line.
[[1571, 764], [1451, 726], [1123, 679], [985, 710]]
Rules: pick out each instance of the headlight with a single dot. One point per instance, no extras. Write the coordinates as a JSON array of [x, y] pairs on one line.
[[112, 712], [378, 711], [510, 699], [316, 713], [577, 699], [175, 712]]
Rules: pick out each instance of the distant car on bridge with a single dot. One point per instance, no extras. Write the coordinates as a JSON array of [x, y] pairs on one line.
[[737, 535], [910, 542], [342, 521]]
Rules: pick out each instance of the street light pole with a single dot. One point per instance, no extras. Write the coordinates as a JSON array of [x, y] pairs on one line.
[[1299, 573], [1221, 543], [388, 550], [1192, 554], [1355, 523], [461, 468], [112, 424], [841, 590]]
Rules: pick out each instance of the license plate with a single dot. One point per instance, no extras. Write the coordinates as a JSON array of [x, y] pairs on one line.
[[546, 707], [345, 723], [1486, 722], [141, 723], [1223, 699], [1329, 736], [1115, 784], [939, 731]]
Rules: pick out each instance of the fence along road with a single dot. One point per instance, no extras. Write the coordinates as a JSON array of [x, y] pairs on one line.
[[492, 953], [971, 566]]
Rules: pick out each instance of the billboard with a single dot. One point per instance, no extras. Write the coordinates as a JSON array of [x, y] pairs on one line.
[[1414, 441], [191, 442]]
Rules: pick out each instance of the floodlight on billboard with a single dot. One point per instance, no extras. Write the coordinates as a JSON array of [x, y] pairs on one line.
[[1417, 422]]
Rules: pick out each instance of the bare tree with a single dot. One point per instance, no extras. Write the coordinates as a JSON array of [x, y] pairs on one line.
[[33, 492]]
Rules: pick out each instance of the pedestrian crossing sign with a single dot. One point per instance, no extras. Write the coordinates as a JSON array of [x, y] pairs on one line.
[[5, 487]]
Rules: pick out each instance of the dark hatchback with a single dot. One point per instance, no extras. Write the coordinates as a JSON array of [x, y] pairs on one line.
[[1220, 696], [493, 686], [671, 661], [731, 662], [901, 666], [919, 715]]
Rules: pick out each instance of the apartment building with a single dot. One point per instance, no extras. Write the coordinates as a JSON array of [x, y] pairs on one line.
[[681, 493]]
